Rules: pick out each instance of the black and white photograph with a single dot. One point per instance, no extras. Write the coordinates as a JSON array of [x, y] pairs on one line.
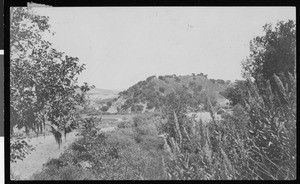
[[152, 93]]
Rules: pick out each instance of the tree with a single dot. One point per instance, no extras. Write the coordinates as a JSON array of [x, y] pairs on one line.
[[104, 108], [270, 101], [162, 89], [235, 93], [109, 103], [43, 81], [273, 53], [150, 105], [161, 77], [150, 78]]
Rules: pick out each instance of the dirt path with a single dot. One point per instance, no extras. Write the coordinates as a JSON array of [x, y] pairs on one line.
[[46, 148]]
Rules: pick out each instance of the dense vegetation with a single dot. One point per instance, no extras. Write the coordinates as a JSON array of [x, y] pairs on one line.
[[257, 140], [43, 82], [253, 140], [153, 90]]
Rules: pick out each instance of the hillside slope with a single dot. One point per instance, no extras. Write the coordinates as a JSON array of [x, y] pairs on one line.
[[146, 95]]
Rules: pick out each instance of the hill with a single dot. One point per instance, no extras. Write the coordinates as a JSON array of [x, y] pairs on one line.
[[147, 95]]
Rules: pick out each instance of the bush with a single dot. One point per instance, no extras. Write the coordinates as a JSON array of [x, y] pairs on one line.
[[64, 173], [213, 80], [104, 108], [243, 145], [129, 101], [150, 105], [125, 124], [162, 89], [177, 79], [122, 138], [192, 84], [199, 88], [150, 78], [133, 108], [138, 121], [109, 103], [136, 100], [124, 106], [139, 108], [161, 78]]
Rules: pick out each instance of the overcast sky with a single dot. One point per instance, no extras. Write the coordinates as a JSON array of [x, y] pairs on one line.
[[124, 45]]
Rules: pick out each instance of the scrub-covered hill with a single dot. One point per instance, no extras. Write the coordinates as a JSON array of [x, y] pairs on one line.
[[148, 95]]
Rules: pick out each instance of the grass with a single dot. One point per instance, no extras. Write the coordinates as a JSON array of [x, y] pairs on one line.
[[115, 155]]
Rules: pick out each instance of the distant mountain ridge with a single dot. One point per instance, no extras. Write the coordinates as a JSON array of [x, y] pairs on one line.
[[101, 94]]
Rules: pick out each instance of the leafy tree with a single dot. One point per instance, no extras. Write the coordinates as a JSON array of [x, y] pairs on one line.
[[273, 53], [104, 108], [177, 79], [162, 89], [150, 78], [199, 88], [43, 81], [192, 84], [235, 93], [139, 108], [109, 103], [133, 107], [150, 105], [129, 101], [125, 106]]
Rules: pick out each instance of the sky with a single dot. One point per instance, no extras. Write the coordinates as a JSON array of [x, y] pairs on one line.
[[124, 45]]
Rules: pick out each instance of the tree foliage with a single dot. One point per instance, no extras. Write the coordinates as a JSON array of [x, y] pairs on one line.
[[235, 93], [273, 53], [43, 81]]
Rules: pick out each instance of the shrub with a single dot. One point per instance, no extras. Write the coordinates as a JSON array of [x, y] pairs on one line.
[[109, 103], [122, 138], [129, 101], [177, 79], [137, 93], [124, 106], [64, 173], [136, 100], [243, 145], [199, 88], [272, 126], [192, 84], [162, 89], [213, 80], [104, 108], [151, 142], [150, 78], [138, 120], [124, 124], [139, 108], [56, 162], [150, 105], [161, 78]]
